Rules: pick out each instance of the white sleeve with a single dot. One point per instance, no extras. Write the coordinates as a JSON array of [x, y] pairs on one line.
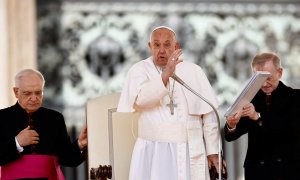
[[140, 90], [19, 148], [211, 133], [151, 93]]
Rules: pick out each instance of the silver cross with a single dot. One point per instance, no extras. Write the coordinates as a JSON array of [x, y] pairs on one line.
[[172, 106]]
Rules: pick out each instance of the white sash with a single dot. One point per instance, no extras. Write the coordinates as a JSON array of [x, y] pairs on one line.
[[163, 131]]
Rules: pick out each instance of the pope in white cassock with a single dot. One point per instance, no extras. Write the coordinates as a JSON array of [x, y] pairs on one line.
[[178, 135]]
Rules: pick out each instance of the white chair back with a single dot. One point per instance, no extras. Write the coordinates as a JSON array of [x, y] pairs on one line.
[[111, 135]]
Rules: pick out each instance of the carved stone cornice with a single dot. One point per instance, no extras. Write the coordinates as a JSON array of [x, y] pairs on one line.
[[222, 7]]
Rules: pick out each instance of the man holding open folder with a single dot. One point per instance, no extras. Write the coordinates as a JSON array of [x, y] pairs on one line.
[[271, 121]]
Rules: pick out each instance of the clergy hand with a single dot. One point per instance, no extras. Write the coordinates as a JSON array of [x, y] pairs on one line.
[[232, 120], [27, 137], [82, 140], [169, 69], [213, 160], [213, 164], [249, 110]]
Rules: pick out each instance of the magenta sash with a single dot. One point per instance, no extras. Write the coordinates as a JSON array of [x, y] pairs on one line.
[[33, 166]]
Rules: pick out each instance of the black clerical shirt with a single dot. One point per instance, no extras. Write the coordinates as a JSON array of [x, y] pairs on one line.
[[50, 126]]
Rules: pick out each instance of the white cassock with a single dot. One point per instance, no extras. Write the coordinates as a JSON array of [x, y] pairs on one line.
[[170, 147]]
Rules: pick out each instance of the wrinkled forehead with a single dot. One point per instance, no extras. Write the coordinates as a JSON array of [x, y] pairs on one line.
[[30, 81]]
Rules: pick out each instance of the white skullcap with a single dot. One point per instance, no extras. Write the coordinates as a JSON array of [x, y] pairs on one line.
[[161, 27]]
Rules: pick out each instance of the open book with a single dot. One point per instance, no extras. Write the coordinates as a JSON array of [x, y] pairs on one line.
[[248, 93]]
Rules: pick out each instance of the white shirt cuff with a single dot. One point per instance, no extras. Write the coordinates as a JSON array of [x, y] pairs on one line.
[[19, 148], [230, 129]]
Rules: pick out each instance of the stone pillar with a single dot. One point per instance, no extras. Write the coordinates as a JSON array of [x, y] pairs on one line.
[[3, 56], [17, 43]]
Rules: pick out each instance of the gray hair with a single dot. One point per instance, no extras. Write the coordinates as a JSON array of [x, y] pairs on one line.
[[25, 72], [261, 58]]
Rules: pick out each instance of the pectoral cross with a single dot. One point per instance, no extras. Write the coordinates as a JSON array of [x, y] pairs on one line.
[[172, 106]]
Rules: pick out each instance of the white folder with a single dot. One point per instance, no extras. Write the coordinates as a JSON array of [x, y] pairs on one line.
[[248, 93]]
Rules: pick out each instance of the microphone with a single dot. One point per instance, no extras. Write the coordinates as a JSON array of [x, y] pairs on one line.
[[180, 81], [176, 78]]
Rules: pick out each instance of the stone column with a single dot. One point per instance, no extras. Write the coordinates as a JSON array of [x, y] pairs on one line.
[[3, 56], [17, 43]]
